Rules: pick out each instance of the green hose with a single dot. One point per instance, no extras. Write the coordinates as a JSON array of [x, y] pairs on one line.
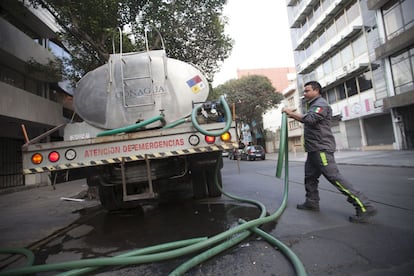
[[228, 117], [30, 257], [132, 127], [299, 268], [153, 254], [178, 122]]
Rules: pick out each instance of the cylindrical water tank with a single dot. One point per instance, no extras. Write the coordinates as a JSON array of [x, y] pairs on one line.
[[133, 87]]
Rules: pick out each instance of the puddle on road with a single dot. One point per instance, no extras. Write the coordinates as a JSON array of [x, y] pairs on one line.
[[165, 223], [102, 234]]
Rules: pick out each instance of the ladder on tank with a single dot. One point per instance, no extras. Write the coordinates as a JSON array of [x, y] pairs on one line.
[[144, 96]]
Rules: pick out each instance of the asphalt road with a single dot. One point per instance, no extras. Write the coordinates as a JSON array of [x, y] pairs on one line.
[[326, 242]]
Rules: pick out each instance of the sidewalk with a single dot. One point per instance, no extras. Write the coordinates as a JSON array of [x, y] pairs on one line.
[[389, 158]]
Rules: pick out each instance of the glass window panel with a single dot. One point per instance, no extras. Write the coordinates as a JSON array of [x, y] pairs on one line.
[[322, 38], [325, 4], [351, 87], [331, 96], [408, 12], [352, 12], [364, 82], [327, 68], [340, 22], [317, 10], [408, 87], [324, 95], [346, 54], [401, 69], [359, 46], [393, 20], [336, 61], [341, 91], [319, 72], [331, 31], [311, 18]]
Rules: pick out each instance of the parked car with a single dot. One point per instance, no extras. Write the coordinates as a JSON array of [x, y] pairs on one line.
[[253, 152]]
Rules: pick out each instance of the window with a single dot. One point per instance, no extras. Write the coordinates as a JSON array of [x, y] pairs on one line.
[[341, 92], [327, 68], [331, 95], [319, 72], [331, 31], [324, 95], [346, 54], [393, 20], [364, 82], [352, 12], [322, 38], [336, 61], [398, 16], [402, 72], [340, 22], [408, 13], [359, 46], [351, 87]]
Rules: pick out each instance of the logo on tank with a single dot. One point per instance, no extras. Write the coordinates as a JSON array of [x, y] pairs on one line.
[[196, 84]]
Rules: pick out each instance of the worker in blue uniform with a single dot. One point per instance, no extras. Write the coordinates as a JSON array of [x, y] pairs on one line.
[[320, 146]]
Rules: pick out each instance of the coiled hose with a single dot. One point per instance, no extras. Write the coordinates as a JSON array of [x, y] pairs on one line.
[[175, 249]]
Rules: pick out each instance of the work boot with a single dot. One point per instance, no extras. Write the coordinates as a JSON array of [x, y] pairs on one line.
[[309, 206], [362, 217]]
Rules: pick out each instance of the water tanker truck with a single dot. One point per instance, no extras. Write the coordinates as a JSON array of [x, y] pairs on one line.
[[148, 132]]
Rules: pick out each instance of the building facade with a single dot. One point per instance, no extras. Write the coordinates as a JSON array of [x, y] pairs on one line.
[[362, 54], [29, 95]]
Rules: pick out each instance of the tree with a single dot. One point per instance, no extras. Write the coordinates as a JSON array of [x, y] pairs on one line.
[[252, 96], [193, 31]]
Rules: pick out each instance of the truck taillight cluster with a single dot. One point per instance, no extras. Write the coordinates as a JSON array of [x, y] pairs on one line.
[[53, 156], [225, 137]]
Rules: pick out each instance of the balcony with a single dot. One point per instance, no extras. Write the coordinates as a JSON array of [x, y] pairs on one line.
[[20, 48], [329, 48], [19, 104]]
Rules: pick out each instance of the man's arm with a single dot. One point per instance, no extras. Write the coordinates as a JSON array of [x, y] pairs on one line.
[[292, 114]]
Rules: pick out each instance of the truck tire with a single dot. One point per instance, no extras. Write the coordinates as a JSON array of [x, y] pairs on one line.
[[213, 190], [111, 196], [199, 185]]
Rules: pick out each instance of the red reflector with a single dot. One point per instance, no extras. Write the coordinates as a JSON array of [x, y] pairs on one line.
[[210, 139], [54, 156]]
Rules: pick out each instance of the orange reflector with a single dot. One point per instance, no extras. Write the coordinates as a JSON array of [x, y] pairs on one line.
[[210, 139], [54, 156], [226, 137], [37, 158]]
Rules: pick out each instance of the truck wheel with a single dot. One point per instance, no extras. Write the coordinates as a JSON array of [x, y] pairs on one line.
[[111, 196], [213, 191], [199, 185]]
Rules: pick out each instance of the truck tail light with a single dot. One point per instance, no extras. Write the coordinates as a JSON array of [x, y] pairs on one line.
[[210, 139], [225, 137], [54, 156], [37, 158]]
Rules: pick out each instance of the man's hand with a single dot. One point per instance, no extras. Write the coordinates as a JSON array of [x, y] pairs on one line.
[[288, 111], [291, 113]]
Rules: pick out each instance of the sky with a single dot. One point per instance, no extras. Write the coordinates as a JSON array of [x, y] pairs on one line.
[[260, 31]]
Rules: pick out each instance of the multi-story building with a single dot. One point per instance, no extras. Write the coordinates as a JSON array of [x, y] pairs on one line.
[[361, 51], [29, 93]]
